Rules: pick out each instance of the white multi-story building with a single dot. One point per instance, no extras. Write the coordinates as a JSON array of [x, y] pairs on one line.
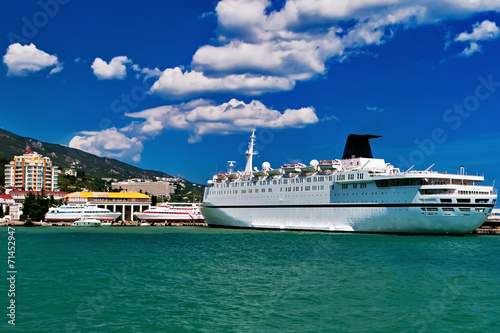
[[159, 188], [31, 172]]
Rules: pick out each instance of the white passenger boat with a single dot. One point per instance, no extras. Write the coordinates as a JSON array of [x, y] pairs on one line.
[[86, 221], [172, 212], [358, 193], [68, 213]]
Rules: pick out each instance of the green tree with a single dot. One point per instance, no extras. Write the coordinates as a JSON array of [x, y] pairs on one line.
[[36, 206]]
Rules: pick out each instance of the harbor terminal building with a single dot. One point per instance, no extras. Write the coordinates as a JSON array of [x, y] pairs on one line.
[[162, 189], [125, 203]]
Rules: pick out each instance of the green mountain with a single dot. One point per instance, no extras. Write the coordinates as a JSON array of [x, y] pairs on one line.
[[64, 157], [93, 168]]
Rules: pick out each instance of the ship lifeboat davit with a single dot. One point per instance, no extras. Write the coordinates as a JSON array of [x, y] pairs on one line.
[[292, 168], [313, 166], [326, 165], [221, 176]]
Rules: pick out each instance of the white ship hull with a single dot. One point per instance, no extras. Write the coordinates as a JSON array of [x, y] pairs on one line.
[[150, 217], [76, 216], [171, 212], [405, 220]]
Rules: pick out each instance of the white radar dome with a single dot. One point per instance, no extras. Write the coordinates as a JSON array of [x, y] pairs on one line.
[[314, 163], [266, 166]]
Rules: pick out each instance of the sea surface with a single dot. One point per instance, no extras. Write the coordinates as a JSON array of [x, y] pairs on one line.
[[182, 279]]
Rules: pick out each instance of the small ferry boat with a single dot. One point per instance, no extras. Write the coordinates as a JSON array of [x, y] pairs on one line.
[[69, 213], [86, 221], [172, 212]]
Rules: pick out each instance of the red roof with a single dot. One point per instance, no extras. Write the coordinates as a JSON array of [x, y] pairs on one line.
[[39, 192], [5, 196]]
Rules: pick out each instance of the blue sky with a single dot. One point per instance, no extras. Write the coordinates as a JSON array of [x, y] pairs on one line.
[[177, 86]]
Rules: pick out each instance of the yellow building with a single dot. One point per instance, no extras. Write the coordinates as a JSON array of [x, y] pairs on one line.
[[31, 172], [125, 203]]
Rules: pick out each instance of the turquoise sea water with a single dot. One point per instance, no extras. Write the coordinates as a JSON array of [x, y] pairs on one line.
[[167, 279]]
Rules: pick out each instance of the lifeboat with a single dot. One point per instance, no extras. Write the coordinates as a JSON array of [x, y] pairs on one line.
[[260, 173], [292, 168], [326, 165], [308, 169], [275, 172], [221, 176], [233, 176]]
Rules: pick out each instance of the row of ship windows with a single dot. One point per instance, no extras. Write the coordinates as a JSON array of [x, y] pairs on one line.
[[287, 189], [277, 182], [466, 200], [350, 176], [295, 188], [451, 209]]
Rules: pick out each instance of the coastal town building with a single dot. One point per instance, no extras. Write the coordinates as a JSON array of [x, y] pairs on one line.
[[161, 189], [18, 196], [31, 172], [125, 203]]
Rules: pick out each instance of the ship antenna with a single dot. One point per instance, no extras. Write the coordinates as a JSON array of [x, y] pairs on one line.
[[429, 167], [231, 165], [250, 152]]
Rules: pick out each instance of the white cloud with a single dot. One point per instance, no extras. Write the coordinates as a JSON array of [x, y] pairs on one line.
[[174, 83], [262, 49], [198, 117], [201, 117], [109, 143], [147, 72], [484, 31], [374, 109], [480, 32], [116, 68], [22, 60], [471, 49]]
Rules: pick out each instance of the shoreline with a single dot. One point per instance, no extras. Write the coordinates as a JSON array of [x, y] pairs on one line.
[[490, 227]]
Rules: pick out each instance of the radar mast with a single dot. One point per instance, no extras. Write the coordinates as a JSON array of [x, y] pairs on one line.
[[250, 152]]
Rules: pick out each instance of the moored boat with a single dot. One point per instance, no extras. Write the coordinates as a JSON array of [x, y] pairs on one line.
[[70, 213], [358, 194], [86, 221], [172, 212]]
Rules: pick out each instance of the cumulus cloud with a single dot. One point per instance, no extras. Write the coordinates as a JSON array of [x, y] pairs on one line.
[[174, 83], [23, 60], [471, 49], [109, 143], [146, 72], [275, 45], [202, 117], [116, 68], [198, 117], [485, 30]]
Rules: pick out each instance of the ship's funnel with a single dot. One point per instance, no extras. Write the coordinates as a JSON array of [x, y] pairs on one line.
[[358, 146]]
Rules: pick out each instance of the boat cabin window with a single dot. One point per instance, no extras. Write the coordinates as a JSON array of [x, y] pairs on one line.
[[401, 182], [435, 191]]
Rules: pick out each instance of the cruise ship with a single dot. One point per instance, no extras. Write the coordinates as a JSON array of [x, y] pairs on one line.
[[357, 193], [172, 212], [68, 213]]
